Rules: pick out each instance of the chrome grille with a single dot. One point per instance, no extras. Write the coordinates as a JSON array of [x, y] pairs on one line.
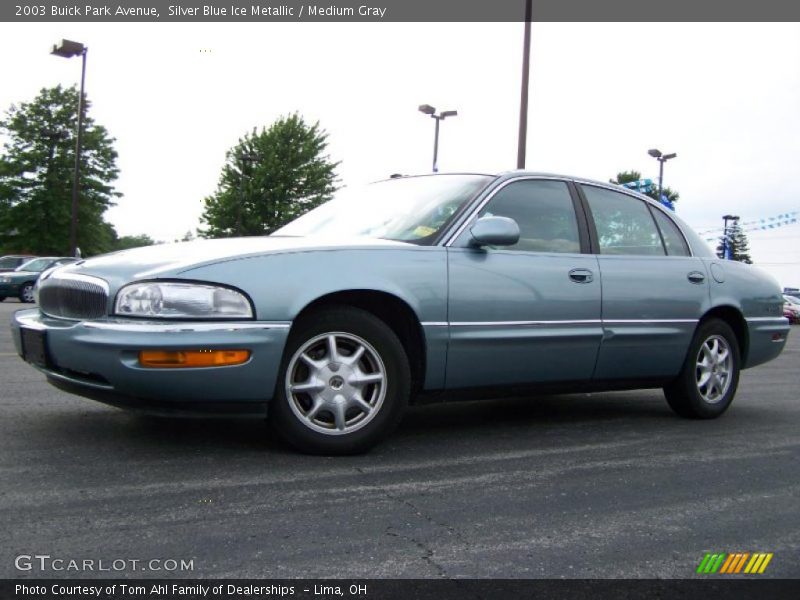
[[73, 296]]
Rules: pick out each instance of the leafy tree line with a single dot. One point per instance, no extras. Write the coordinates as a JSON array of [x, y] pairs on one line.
[[36, 175], [270, 177]]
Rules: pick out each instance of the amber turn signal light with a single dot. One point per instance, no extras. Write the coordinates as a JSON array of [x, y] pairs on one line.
[[163, 359]]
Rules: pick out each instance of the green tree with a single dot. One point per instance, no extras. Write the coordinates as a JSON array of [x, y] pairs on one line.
[[126, 242], [629, 176], [738, 244], [36, 174], [270, 178]]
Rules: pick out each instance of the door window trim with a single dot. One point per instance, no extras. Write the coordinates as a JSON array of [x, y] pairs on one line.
[[584, 238], [649, 204]]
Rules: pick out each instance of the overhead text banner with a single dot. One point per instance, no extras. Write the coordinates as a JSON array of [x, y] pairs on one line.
[[396, 10]]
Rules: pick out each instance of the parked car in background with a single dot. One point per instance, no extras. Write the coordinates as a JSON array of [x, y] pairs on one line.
[[791, 308], [436, 287], [20, 281], [12, 261]]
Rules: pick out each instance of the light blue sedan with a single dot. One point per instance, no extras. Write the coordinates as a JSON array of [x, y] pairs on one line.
[[413, 289]]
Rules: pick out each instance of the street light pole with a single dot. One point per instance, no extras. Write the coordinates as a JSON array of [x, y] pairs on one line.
[[427, 109], [68, 49], [661, 158], [522, 141]]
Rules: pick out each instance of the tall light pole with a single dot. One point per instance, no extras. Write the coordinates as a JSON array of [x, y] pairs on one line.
[[661, 158], [522, 141], [726, 245], [68, 49], [427, 109]]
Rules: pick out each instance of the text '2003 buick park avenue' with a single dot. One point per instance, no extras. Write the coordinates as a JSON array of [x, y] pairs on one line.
[[411, 288]]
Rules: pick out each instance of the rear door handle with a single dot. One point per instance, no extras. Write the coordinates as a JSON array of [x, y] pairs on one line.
[[581, 275], [696, 277]]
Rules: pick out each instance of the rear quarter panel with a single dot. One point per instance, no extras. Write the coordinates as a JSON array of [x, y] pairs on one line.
[[757, 296]]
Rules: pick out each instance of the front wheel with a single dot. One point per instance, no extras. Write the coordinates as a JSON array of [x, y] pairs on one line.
[[26, 293], [707, 384], [344, 384]]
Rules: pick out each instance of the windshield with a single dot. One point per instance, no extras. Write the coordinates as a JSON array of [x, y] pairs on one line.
[[409, 209], [36, 265]]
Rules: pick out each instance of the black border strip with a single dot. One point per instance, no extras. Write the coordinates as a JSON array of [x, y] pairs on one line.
[[239, 11]]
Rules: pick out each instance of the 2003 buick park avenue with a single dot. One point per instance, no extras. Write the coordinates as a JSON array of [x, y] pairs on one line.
[[411, 288]]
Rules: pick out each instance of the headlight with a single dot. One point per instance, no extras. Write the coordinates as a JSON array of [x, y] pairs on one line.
[[5, 279], [181, 300]]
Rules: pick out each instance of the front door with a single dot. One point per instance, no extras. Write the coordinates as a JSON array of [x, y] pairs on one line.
[[527, 313]]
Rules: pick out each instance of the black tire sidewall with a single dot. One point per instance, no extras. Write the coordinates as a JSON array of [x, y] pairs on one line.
[[365, 325], [683, 395]]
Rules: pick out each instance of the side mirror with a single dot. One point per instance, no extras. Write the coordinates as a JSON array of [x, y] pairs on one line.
[[494, 231]]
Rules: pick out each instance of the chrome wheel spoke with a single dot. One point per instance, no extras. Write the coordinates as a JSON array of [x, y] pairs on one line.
[[311, 414], [339, 410], [333, 352], [722, 356], [716, 386], [359, 402], [361, 379], [311, 385], [356, 356], [704, 378], [312, 364]]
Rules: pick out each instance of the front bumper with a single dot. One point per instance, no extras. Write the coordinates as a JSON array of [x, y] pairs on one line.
[[99, 360]]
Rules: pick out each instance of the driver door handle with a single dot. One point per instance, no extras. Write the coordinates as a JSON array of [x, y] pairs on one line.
[[581, 275]]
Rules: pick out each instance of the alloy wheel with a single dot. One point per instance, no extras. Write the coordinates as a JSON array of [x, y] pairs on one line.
[[336, 383], [713, 369]]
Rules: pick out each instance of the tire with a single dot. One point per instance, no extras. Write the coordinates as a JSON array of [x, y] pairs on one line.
[[316, 407], [26, 293], [2, 298], [710, 375]]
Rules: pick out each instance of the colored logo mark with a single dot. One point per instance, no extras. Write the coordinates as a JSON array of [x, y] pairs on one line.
[[738, 562]]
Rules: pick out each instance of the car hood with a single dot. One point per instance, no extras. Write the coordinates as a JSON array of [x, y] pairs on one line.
[[169, 260]]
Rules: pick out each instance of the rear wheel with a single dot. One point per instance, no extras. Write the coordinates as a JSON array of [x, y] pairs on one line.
[[26, 292], [707, 384], [345, 382]]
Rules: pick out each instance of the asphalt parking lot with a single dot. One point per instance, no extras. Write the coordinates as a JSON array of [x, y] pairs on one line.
[[602, 485]]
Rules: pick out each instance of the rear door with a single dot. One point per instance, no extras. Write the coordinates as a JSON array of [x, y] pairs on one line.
[[530, 312], [654, 291]]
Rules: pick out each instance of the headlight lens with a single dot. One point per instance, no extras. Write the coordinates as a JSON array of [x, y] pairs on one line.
[[5, 279], [181, 300]]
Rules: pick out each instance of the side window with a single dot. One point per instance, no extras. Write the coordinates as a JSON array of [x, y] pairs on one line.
[[623, 223], [544, 212], [673, 239]]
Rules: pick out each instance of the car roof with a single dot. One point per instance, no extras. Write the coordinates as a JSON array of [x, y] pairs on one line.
[[516, 173]]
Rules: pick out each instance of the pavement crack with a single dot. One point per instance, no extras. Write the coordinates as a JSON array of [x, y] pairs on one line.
[[427, 552]]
